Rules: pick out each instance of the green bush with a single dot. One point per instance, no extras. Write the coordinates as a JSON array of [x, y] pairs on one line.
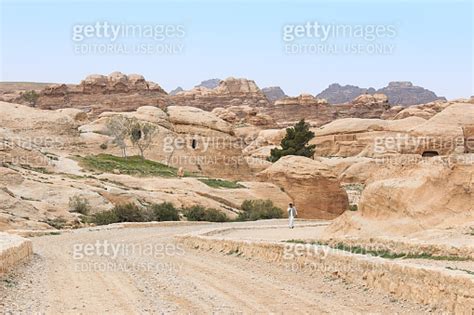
[[127, 212], [79, 204], [353, 207], [296, 142], [30, 96], [57, 223], [163, 212], [199, 213], [259, 210], [104, 218]]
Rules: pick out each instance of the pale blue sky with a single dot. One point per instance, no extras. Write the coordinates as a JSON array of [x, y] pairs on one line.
[[433, 44]]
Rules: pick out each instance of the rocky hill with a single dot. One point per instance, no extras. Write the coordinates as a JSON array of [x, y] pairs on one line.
[[98, 93], [230, 92], [209, 84], [338, 94], [274, 93], [176, 91], [399, 93], [405, 93]]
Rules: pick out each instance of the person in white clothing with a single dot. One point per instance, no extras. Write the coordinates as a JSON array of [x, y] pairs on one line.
[[292, 213]]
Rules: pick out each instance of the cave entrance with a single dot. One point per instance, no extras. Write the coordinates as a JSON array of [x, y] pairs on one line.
[[194, 144], [430, 154]]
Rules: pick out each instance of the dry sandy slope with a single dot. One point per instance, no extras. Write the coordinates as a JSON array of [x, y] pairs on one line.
[[182, 281]]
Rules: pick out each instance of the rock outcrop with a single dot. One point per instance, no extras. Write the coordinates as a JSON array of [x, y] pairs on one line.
[[303, 99], [98, 93], [416, 197], [244, 115], [230, 92], [440, 135], [313, 187]]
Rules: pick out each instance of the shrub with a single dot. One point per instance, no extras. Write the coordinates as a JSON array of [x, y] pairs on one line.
[[79, 204], [129, 212], [353, 207], [57, 223], [259, 210], [163, 212], [30, 96], [103, 146], [104, 218], [199, 213]]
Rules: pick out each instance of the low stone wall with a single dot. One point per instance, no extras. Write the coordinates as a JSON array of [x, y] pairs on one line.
[[451, 290], [403, 247], [13, 249]]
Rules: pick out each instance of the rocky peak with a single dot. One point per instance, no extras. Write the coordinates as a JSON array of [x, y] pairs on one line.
[[338, 94], [210, 84], [405, 93], [274, 93]]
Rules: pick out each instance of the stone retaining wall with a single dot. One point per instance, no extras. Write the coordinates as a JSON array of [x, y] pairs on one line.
[[451, 290], [13, 249]]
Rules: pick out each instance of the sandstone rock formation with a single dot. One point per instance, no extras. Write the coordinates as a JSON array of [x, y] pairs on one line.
[[274, 93], [230, 92], [413, 198], [314, 189], [244, 115], [98, 93], [303, 99], [442, 134]]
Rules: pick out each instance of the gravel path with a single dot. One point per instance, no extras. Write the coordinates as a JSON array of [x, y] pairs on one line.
[[144, 270]]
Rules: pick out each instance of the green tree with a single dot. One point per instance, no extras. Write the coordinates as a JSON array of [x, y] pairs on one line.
[[295, 142]]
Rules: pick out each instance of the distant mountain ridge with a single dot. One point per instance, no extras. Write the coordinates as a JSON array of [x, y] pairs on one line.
[[398, 93]]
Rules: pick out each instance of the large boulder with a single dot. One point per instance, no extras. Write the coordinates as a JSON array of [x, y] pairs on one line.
[[313, 187], [186, 115]]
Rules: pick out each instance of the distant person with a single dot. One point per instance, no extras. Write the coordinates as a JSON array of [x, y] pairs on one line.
[[292, 213]]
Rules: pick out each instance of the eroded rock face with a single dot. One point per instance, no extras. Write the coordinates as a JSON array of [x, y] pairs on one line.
[[244, 115], [313, 187], [98, 93], [442, 134], [303, 99], [229, 92], [413, 198]]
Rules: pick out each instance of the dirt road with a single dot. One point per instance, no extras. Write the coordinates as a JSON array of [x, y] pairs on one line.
[[145, 270]]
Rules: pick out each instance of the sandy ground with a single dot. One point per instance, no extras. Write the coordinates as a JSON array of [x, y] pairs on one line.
[[144, 270]]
